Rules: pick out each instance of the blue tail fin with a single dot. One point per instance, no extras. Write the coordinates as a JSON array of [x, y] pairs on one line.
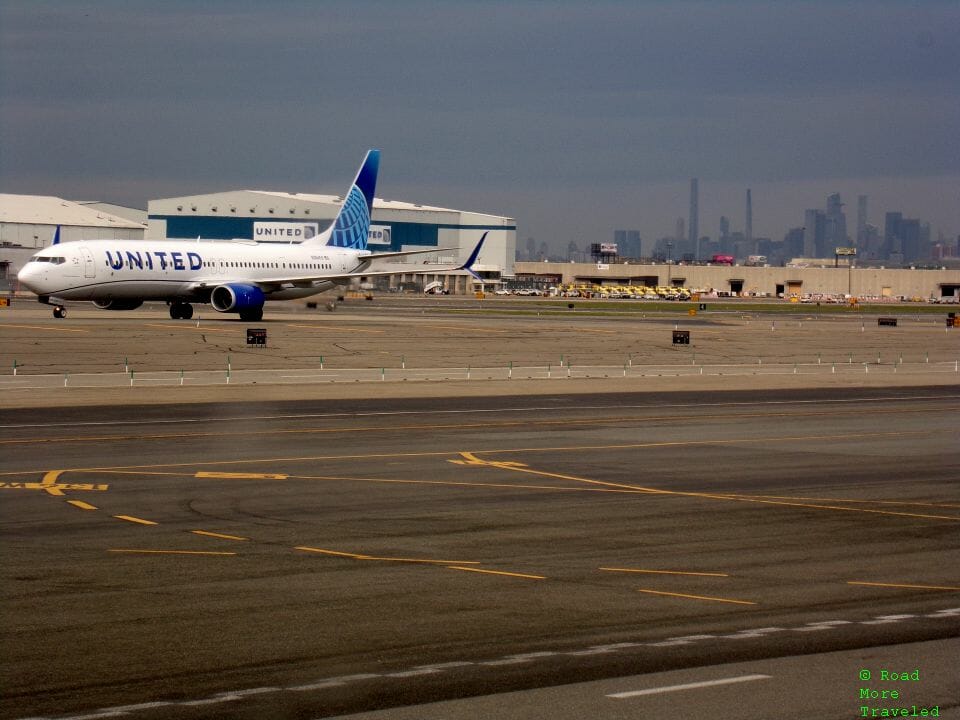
[[56, 237], [352, 224]]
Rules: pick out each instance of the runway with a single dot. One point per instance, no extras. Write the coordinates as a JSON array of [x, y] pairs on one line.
[[313, 559]]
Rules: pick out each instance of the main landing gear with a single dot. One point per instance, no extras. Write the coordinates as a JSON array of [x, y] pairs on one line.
[[253, 314], [59, 311], [181, 311]]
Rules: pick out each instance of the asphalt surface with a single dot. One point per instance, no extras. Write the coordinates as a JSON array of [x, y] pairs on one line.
[[52, 363], [312, 559]]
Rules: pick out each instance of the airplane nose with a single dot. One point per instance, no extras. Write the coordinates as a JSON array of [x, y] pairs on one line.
[[28, 277]]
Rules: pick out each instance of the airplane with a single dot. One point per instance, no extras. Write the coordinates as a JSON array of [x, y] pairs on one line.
[[233, 276]]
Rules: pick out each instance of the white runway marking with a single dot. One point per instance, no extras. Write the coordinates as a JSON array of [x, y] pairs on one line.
[[689, 686]]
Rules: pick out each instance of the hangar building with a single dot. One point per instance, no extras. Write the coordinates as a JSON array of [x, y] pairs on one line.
[[292, 217], [28, 223]]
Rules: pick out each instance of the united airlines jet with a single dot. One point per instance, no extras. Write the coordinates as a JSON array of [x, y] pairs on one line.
[[233, 276]]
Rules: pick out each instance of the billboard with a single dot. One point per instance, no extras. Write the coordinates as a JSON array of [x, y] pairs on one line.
[[379, 235], [288, 232]]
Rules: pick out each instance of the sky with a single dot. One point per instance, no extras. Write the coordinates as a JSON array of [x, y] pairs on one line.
[[574, 118]]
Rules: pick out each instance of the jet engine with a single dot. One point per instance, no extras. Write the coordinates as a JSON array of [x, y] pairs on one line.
[[235, 297]]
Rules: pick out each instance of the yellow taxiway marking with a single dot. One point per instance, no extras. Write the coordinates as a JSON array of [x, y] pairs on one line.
[[604, 332], [50, 480], [130, 518], [190, 326], [241, 476], [82, 505], [357, 556], [497, 572], [460, 328], [337, 553], [170, 552], [41, 327], [53, 489], [910, 587], [697, 597], [472, 459], [336, 327], [664, 572], [206, 533]]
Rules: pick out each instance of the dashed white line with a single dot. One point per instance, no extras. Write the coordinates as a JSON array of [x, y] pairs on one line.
[[755, 633], [825, 625], [886, 619], [683, 640], [688, 686], [517, 659]]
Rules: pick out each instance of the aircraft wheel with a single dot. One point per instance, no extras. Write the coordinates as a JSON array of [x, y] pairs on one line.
[[181, 311], [252, 314], [59, 311]]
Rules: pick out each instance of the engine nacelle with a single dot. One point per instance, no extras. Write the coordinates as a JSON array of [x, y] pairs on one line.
[[235, 297], [118, 304]]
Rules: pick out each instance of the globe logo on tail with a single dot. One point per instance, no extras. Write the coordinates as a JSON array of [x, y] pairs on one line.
[[353, 222]]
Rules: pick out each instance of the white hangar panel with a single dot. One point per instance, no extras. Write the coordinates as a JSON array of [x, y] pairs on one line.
[[30, 221]]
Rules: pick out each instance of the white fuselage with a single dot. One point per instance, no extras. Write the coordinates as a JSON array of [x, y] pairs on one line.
[[184, 270]]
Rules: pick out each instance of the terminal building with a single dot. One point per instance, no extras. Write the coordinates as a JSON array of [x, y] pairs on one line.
[[749, 281]]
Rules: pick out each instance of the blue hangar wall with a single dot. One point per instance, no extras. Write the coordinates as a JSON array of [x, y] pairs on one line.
[[233, 228]]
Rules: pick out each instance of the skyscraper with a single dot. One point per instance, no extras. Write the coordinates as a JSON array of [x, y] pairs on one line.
[[814, 224], [861, 221], [628, 243], [693, 226], [835, 234], [891, 233], [748, 227]]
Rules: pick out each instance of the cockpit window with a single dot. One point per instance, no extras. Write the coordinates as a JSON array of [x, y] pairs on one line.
[[49, 259]]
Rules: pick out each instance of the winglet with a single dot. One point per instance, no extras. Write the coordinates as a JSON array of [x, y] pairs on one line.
[[56, 236], [468, 265]]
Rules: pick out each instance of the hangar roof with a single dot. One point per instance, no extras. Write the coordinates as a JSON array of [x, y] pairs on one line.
[[378, 203], [47, 210], [336, 200]]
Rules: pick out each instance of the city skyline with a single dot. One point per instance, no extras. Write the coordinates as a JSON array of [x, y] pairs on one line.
[[574, 118], [822, 230]]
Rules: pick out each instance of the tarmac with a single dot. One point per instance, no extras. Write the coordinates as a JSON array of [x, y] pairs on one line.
[[454, 347]]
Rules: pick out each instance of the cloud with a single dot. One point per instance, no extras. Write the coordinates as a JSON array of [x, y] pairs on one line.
[[512, 100]]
